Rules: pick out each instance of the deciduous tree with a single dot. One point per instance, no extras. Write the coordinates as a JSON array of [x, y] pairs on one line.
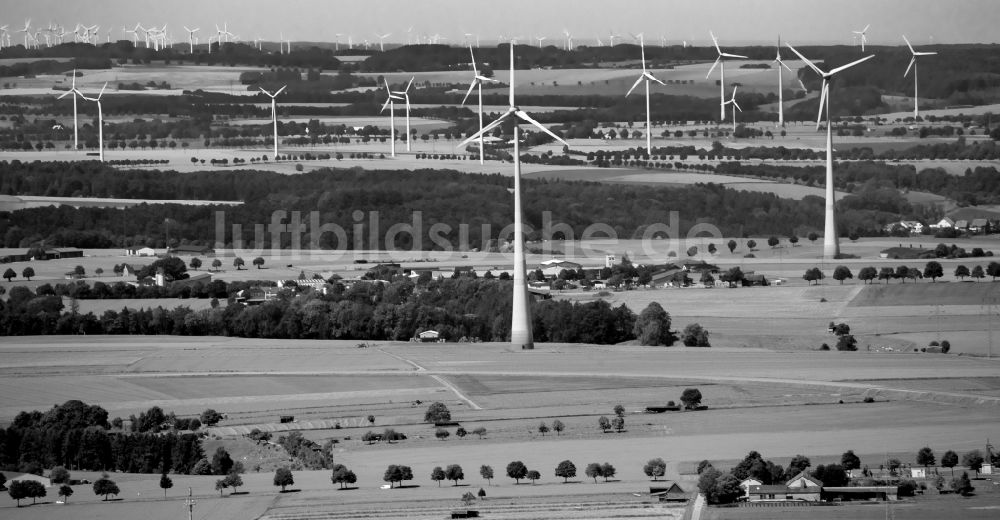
[[436, 413], [925, 457], [949, 460], [454, 473], [558, 426], [165, 483], [841, 273], [691, 397], [105, 486], [487, 473], [655, 468], [65, 491], [517, 470], [283, 477], [437, 475], [566, 469]]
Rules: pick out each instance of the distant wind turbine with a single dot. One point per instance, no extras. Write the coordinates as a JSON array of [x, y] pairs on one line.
[[736, 106], [913, 65], [520, 333], [274, 116], [722, 74], [406, 97], [862, 36], [191, 37], [781, 102], [390, 102], [100, 121], [381, 40], [831, 246], [645, 77], [477, 83]]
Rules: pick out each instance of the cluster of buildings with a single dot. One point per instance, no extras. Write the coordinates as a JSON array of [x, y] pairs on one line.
[[806, 489]]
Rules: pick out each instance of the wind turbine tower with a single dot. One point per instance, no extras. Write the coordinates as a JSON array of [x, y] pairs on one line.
[[274, 116], [722, 75], [913, 65], [191, 38], [863, 37], [74, 92], [645, 77], [390, 102], [100, 121], [831, 245], [477, 83], [781, 101], [736, 106], [406, 96], [520, 326]]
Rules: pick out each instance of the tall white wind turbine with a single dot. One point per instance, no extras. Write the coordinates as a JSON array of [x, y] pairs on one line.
[[722, 74], [390, 102], [861, 35], [540, 40], [831, 245], [477, 83], [191, 38], [520, 329], [381, 40], [274, 116], [406, 97], [781, 101], [913, 65], [645, 77], [26, 31], [74, 92], [100, 121], [736, 106]]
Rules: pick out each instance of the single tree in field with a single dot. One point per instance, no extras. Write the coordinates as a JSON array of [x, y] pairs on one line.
[[841, 273], [460, 432], [341, 475], [558, 426], [751, 244], [220, 485], [933, 270], [773, 241], [694, 335], [283, 477], [652, 326], [655, 468], [99, 271], [607, 471], [480, 431], [210, 417], [468, 498], [731, 245], [618, 423], [850, 461], [165, 483], [867, 274], [961, 272], [222, 462], [973, 460], [238, 263], [437, 413], [28, 272], [532, 475], [593, 471], [482, 494], [543, 428], [437, 475], [962, 485], [59, 475], [442, 434], [105, 486], [9, 274], [977, 273], [65, 491], [259, 262], [604, 423], [18, 490], [691, 397], [812, 236], [925, 457], [949, 460], [79, 271], [195, 263], [566, 469], [619, 410], [993, 269], [793, 240], [712, 249], [813, 274], [216, 264], [234, 480], [487, 473], [517, 470], [454, 473]]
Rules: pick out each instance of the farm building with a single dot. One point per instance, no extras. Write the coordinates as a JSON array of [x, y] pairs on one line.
[[21, 477], [191, 249], [316, 284], [944, 223], [257, 295], [62, 252], [429, 336], [670, 491], [142, 251], [800, 488], [552, 268], [844, 494], [746, 484]]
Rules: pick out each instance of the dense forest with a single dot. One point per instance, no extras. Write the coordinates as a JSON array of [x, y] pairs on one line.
[[78, 436], [459, 308]]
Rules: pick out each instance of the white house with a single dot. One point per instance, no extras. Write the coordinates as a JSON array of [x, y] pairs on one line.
[[745, 486], [144, 251], [945, 223]]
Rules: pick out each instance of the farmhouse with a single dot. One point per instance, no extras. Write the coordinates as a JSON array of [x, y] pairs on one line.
[[257, 295], [316, 284], [883, 493], [746, 484], [945, 223], [800, 488], [552, 268]]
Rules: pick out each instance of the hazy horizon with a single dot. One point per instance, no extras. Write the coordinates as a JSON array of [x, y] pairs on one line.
[[734, 22]]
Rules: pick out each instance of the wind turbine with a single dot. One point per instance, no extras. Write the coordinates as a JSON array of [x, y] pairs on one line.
[[27, 27], [477, 83], [75, 92], [3, 32], [831, 246], [520, 330], [645, 77], [781, 102], [736, 107], [381, 40], [913, 64], [540, 40], [406, 96], [274, 116], [191, 37], [100, 121], [722, 74], [861, 34], [392, 115], [569, 39]]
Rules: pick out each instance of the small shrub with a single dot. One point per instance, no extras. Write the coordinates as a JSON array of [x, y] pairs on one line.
[[869, 399]]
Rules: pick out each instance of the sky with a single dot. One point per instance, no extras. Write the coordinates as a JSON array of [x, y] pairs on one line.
[[734, 22]]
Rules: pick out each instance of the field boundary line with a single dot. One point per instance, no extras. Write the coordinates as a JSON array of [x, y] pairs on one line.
[[458, 392]]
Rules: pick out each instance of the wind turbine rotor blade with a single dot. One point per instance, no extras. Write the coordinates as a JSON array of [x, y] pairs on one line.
[[407, 89], [910, 66], [849, 65], [387, 101], [487, 128], [654, 78], [865, 29], [822, 101], [526, 117], [636, 84], [64, 94], [803, 58], [716, 42], [472, 86], [101, 93], [511, 93], [908, 43], [737, 105], [924, 53], [484, 78], [785, 66], [280, 90], [726, 54], [713, 67]]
